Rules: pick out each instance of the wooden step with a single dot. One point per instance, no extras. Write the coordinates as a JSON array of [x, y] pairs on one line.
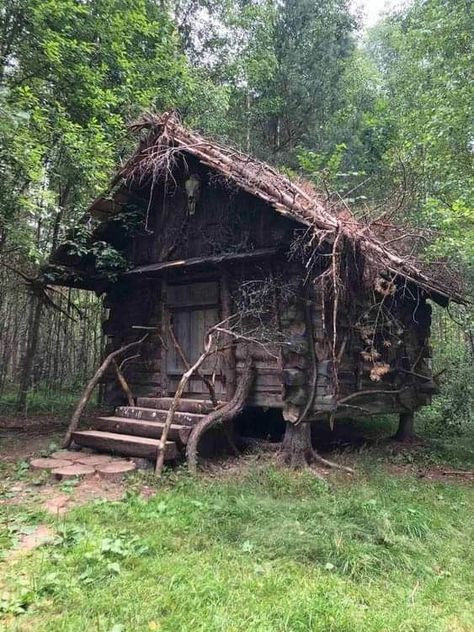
[[138, 428], [123, 444], [151, 414], [198, 406]]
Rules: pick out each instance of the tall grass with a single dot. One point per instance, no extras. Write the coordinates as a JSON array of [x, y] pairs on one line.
[[266, 550]]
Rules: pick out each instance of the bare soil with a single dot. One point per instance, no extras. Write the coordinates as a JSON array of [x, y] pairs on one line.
[[24, 438]]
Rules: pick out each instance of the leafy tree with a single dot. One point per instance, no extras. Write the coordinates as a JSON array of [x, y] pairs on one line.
[[72, 74], [425, 59]]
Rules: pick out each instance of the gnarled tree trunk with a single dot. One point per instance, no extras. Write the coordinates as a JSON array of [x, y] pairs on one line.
[[406, 428], [296, 448], [223, 415]]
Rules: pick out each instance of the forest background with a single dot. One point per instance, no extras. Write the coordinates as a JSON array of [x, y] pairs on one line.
[[383, 118]]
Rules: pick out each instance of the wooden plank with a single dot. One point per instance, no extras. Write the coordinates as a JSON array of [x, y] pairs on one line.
[[193, 294], [123, 444], [155, 268], [266, 400], [184, 405], [150, 414], [140, 428], [269, 379], [164, 321]]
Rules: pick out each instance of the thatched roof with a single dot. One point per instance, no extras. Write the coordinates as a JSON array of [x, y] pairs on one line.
[[165, 139]]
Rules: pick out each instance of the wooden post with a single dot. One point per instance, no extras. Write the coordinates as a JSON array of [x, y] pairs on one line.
[[164, 324]]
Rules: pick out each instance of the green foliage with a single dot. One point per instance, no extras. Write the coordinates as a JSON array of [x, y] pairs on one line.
[[452, 411], [425, 59], [263, 550], [73, 74], [53, 399]]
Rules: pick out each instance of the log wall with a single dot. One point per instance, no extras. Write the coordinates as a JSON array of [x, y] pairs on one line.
[[295, 371]]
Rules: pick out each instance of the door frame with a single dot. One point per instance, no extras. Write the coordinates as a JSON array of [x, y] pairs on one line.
[[224, 305]]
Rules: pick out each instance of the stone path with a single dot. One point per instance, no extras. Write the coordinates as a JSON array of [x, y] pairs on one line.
[[67, 464]]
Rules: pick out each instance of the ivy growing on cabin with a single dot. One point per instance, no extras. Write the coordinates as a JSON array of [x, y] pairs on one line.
[[109, 261]]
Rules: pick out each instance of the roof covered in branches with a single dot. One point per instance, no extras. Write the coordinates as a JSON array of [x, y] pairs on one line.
[[387, 248]]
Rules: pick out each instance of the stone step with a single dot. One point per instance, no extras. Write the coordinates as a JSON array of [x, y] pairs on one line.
[[139, 428], [152, 414], [127, 445], [198, 406]]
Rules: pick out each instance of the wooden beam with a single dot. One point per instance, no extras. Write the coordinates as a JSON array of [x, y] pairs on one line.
[[154, 268]]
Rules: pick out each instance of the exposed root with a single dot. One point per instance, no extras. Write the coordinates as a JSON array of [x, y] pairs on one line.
[[297, 451], [315, 472], [331, 464]]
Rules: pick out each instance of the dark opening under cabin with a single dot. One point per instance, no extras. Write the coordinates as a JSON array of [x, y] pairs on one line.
[[284, 300]]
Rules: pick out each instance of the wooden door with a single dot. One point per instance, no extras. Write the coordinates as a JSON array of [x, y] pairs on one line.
[[192, 309]]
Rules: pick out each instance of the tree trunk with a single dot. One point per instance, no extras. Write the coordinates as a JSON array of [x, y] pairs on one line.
[[223, 415], [297, 451], [406, 428], [30, 352]]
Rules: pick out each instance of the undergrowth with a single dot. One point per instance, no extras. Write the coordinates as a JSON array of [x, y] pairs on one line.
[[262, 550], [42, 401]]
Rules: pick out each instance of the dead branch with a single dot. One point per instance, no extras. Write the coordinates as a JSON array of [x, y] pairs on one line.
[[92, 384], [123, 383], [187, 365], [177, 396]]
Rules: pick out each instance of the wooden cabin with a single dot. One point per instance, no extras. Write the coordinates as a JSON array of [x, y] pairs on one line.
[[333, 316]]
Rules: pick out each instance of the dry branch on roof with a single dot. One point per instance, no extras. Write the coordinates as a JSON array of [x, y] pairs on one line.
[[385, 247]]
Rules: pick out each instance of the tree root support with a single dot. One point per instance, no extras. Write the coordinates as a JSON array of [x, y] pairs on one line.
[[406, 428], [297, 451], [222, 415]]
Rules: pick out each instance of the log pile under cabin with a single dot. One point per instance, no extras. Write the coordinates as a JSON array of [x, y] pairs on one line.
[[224, 263]]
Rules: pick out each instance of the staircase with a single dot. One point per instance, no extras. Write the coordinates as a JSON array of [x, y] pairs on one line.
[[136, 431]]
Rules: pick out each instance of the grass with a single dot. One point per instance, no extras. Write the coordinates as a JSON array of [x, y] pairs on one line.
[[44, 400], [260, 550]]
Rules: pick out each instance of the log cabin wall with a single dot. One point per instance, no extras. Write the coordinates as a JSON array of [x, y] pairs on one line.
[[297, 370], [225, 220], [129, 306], [401, 363]]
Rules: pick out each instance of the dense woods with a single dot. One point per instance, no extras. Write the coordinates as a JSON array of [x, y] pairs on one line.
[[381, 119]]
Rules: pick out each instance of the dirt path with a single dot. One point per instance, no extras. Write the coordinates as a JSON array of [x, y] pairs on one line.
[[23, 439]]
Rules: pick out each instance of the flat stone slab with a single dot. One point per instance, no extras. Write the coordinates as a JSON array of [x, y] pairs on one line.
[[115, 470], [94, 460], [41, 535], [57, 504], [73, 470], [48, 464]]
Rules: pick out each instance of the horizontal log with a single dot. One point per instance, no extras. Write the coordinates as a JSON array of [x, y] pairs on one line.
[[294, 377], [265, 400], [295, 361], [257, 352], [270, 366]]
